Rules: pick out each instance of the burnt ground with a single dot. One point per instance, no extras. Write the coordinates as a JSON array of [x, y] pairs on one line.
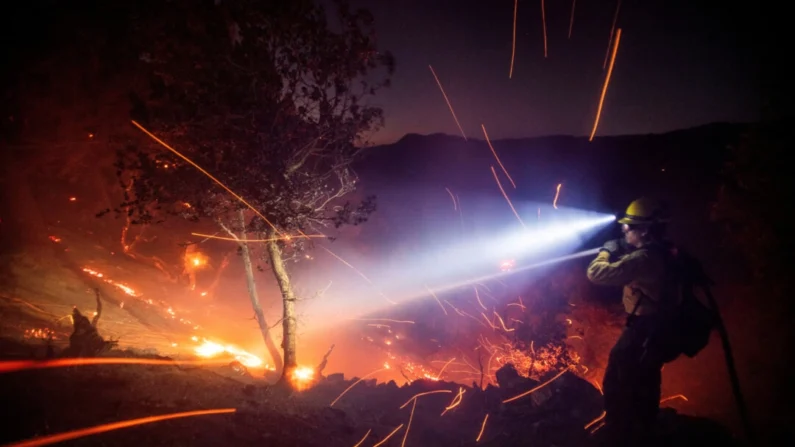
[[57, 400]]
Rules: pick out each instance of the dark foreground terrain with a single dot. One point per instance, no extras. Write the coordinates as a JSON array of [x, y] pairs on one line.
[[46, 402]]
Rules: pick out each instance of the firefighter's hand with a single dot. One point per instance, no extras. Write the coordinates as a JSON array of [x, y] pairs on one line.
[[613, 247]]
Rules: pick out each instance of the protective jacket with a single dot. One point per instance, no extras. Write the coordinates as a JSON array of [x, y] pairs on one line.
[[645, 272]]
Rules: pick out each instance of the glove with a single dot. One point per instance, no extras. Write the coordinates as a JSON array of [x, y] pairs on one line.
[[613, 247]]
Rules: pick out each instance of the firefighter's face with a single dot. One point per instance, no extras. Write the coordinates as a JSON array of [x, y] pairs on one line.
[[633, 234]]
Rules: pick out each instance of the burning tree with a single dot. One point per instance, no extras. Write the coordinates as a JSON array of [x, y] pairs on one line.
[[270, 99]]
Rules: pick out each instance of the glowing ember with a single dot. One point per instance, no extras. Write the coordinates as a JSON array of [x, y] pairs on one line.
[[126, 289], [55, 239], [211, 349], [302, 377], [42, 333], [72, 199]]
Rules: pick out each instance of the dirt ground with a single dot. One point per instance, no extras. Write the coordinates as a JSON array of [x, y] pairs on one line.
[[51, 401]]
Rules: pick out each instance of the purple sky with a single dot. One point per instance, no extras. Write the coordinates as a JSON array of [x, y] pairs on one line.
[[679, 65]]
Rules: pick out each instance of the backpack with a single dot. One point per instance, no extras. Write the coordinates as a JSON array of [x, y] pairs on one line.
[[692, 322]]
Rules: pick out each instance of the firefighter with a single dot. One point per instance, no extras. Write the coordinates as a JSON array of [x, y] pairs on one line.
[[633, 376]]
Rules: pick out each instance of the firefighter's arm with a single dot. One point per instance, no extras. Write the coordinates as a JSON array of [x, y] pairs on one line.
[[603, 272]]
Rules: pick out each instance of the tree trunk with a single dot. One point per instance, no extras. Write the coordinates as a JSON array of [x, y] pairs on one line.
[[288, 301], [273, 350]]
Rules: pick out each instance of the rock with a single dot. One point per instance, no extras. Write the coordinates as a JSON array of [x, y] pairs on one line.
[[335, 378]]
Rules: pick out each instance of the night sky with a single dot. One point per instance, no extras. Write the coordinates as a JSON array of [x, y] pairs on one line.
[[679, 65]]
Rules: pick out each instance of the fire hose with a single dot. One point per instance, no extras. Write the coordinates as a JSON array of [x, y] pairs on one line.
[[742, 409], [704, 282]]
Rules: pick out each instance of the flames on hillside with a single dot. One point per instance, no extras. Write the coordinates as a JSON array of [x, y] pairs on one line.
[[494, 339]]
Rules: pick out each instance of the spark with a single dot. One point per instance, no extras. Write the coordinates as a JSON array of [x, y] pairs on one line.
[[513, 45], [72, 199], [357, 271], [536, 388], [506, 197], [408, 427], [678, 396], [355, 383], [598, 387], [571, 22], [599, 418], [243, 201], [389, 436], [503, 323], [448, 102], [456, 400], [488, 321], [286, 238], [24, 365], [83, 432], [557, 194], [455, 309], [455, 207], [384, 319], [477, 296], [437, 299], [443, 368], [423, 394], [544, 26], [482, 428], [604, 87], [612, 30], [496, 157], [365, 437]]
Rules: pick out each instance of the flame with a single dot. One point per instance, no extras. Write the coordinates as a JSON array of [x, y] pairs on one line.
[[210, 349], [302, 377], [196, 261], [126, 289]]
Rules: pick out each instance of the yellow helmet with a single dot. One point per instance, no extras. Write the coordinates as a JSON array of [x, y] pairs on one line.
[[645, 211]]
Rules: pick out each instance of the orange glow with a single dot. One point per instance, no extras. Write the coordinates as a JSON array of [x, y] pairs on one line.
[[437, 299], [55, 239], [513, 44], [557, 194], [599, 418], [381, 442], [302, 377], [25, 365], [408, 427], [423, 394], [604, 87], [544, 26], [355, 383], [612, 31], [536, 388], [83, 432], [496, 157], [209, 349], [482, 428], [72, 199], [365, 437], [197, 260], [450, 106], [162, 143], [678, 396], [456, 400], [571, 22], [506, 197], [126, 289]]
